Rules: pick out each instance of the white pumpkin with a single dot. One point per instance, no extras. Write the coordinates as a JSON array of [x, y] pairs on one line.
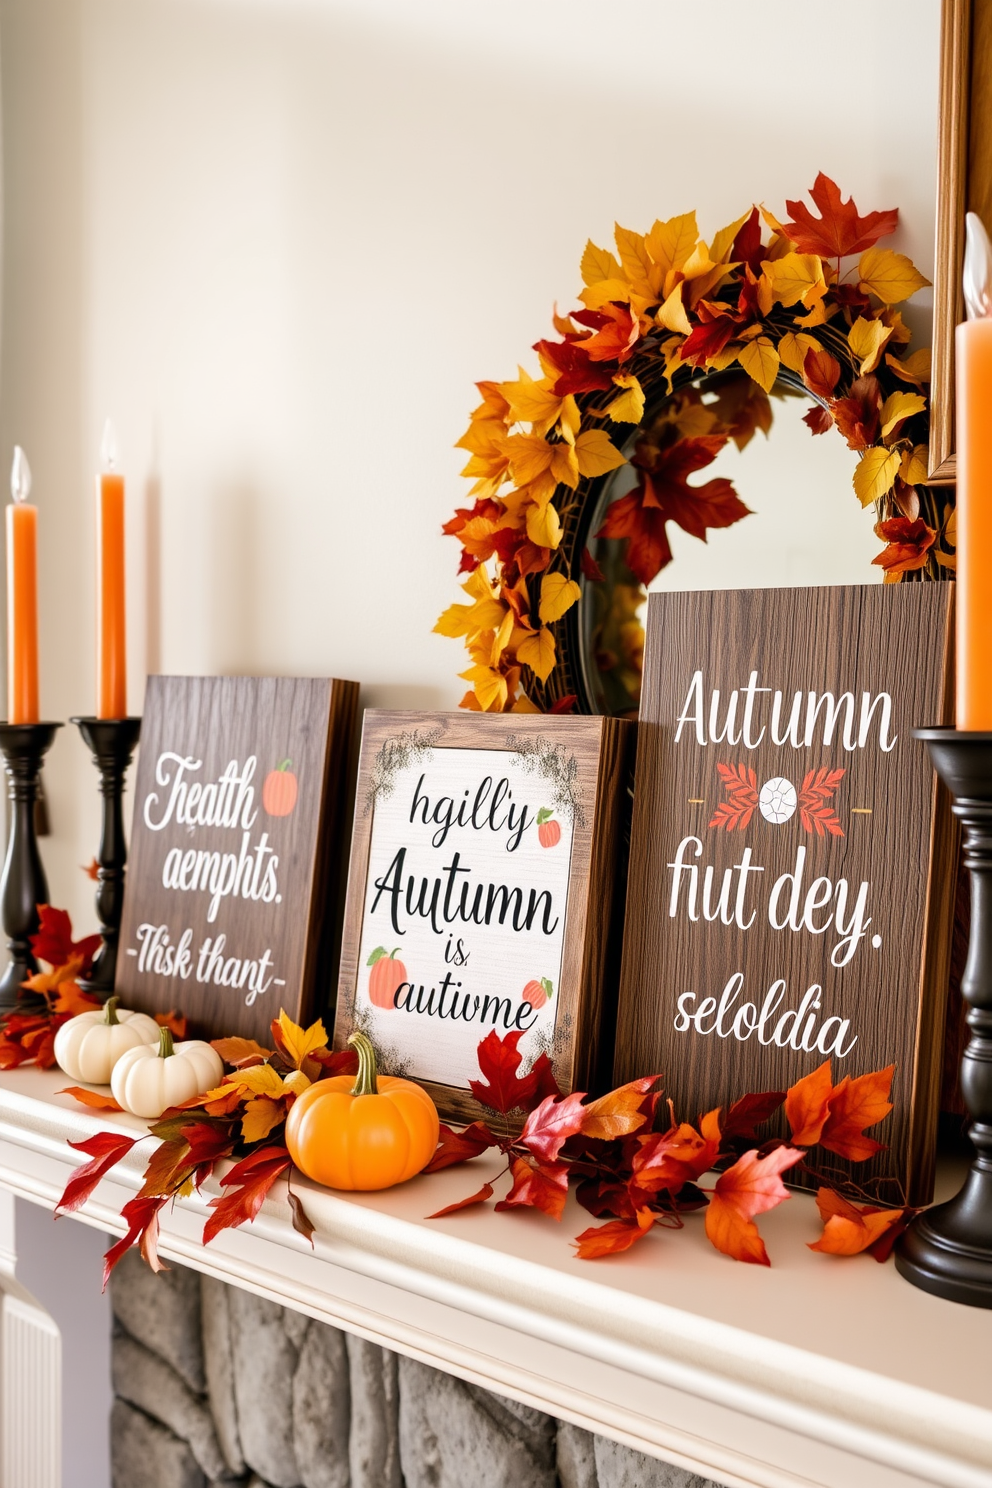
[[89, 1045], [149, 1079]]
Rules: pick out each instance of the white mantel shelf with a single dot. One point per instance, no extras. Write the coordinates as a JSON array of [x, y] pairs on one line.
[[814, 1371]]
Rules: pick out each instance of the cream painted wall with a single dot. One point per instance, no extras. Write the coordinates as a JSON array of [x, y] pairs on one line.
[[278, 241]]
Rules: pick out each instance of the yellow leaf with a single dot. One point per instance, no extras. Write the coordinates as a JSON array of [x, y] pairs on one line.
[[261, 1079], [866, 338], [628, 406], [793, 276], [889, 276], [724, 240], [454, 622], [543, 525], [672, 313], [671, 243], [875, 474], [558, 594], [300, 1044], [914, 469], [915, 368], [760, 361], [634, 257], [538, 652], [502, 638], [571, 418], [523, 704], [793, 347], [530, 401], [899, 406], [490, 687], [597, 264], [261, 1115], [596, 453], [605, 292]]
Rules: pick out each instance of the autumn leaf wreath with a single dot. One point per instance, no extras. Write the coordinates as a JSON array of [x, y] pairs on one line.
[[632, 1162], [814, 295]]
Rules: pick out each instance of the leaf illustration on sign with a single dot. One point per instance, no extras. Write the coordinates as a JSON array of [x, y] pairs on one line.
[[817, 789], [741, 784]]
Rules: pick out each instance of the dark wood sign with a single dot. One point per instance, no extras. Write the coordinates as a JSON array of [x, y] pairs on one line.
[[481, 893], [792, 865], [233, 898]]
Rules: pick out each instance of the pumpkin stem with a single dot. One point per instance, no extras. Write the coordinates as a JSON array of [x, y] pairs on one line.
[[367, 1080], [286, 764], [110, 1010], [166, 1048]]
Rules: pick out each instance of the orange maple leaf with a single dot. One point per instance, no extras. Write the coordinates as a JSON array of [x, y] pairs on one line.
[[174, 1021], [807, 1105], [615, 1236], [619, 1113], [854, 1105], [849, 1229], [752, 1186], [839, 230], [907, 547], [678, 1156]]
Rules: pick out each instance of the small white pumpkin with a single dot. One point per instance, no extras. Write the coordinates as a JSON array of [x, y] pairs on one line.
[[89, 1045], [149, 1079]]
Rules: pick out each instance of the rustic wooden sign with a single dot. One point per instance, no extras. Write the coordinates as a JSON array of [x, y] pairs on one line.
[[792, 865], [236, 874], [482, 891]]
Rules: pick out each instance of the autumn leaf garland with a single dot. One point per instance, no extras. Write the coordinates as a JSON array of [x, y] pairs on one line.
[[814, 294]]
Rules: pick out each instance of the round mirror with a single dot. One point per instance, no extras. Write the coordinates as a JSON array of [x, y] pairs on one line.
[[721, 462]]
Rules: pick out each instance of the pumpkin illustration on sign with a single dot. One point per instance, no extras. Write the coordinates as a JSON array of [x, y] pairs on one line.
[[548, 830], [387, 975], [538, 993], [279, 790]]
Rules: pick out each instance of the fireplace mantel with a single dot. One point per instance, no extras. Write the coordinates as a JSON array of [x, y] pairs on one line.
[[815, 1371]]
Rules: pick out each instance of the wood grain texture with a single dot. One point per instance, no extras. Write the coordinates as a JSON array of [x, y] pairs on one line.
[[964, 184], [897, 838], [210, 722], [587, 988]]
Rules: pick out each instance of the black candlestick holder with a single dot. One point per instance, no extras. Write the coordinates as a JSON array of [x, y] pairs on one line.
[[947, 1250], [24, 885], [112, 742]]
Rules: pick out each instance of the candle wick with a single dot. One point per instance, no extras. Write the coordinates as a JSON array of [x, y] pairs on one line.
[[108, 446]]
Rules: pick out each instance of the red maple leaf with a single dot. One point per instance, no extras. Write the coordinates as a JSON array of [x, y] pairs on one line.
[[104, 1149], [460, 1146], [249, 1182], [53, 941], [681, 1155], [612, 1238], [537, 1185], [577, 374], [615, 332], [550, 1124], [907, 545], [857, 413], [849, 1229], [502, 1089], [142, 1225], [479, 1197], [839, 230]]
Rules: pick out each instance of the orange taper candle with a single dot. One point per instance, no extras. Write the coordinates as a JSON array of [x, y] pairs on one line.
[[974, 486], [111, 643], [22, 596]]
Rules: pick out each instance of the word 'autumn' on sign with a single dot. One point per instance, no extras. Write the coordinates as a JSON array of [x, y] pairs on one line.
[[813, 717]]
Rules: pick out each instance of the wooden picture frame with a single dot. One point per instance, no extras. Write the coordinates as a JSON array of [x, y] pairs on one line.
[[546, 920], [792, 873], [964, 184], [238, 850]]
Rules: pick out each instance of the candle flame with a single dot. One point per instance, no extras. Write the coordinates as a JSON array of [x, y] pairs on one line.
[[20, 475], [108, 446], [977, 278]]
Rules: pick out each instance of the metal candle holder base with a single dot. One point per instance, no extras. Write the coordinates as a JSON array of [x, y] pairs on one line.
[[23, 885], [112, 742], [947, 1250]]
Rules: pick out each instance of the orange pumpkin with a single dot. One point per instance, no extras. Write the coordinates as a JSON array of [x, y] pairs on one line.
[[548, 830], [279, 790], [367, 1132], [538, 993], [386, 976]]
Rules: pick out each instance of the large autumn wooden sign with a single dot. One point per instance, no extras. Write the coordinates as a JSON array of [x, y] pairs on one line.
[[791, 873], [481, 892], [233, 894]]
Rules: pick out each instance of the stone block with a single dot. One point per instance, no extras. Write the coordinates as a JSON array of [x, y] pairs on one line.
[[575, 1455], [322, 1408], [621, 1467], [163, 1312], [453, 1434], [144, 1454], [264, 1363], [218, 1365], [374, 1442], [146, 1381]]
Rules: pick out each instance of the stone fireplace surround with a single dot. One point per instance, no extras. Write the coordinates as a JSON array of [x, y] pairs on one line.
[[217, 1386]]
